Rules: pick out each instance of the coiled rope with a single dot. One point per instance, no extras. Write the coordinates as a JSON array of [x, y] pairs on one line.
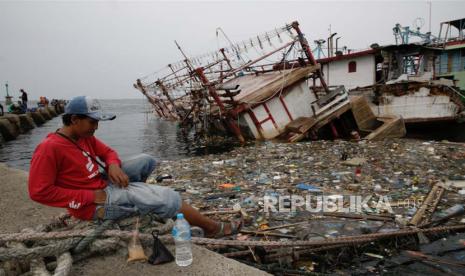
[[66, 246], [94, 235]]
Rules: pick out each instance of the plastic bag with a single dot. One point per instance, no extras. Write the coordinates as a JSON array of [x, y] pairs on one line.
[[135, 249], [160, 254]]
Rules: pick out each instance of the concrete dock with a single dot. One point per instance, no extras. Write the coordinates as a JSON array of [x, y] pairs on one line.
[[18, 212]]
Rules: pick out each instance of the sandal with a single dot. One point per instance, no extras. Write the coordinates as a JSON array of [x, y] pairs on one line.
[[235, 227]]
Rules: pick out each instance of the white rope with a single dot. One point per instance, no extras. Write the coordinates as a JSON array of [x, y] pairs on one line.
[[64, 263], [38, 268]]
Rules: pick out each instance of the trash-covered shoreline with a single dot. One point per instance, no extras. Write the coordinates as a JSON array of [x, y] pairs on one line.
[[400, 171]]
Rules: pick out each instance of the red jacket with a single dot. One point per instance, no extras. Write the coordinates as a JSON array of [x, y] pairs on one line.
[[62, 176]]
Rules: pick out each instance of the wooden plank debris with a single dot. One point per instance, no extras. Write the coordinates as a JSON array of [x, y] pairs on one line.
[[301, 125], [431, 202]]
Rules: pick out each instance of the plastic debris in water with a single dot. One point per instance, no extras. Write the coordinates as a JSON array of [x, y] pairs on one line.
[[307, 187]]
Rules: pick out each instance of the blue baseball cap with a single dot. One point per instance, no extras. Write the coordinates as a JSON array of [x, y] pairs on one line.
[[87, 106]]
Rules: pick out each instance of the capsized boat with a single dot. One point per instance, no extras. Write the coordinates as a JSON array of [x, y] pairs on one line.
[[262, 88]]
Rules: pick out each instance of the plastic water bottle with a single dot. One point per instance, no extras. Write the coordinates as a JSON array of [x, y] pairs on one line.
[[182, 239]]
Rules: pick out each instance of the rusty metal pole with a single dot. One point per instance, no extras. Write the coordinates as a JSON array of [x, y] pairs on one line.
[[212, 92], [334, 130], [171, 115], [165, 92], [257, 124], [257, 60], [308, 53], [230, 68], [157, 108], [221, 72], [227, 60], [174, 72], [190, 68]]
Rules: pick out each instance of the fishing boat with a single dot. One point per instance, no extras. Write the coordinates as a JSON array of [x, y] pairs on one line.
[[263, 88]]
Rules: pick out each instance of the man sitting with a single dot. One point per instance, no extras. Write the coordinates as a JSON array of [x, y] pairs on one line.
[[65, 173]]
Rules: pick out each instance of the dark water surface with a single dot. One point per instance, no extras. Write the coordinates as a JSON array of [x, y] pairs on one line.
[[451, 131], [135, 130]]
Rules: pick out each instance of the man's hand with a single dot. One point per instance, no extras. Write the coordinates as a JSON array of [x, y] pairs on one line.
[[100, 196], [117, 176]]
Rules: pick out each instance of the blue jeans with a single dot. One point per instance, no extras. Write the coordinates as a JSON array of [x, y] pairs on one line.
[[139, 197]]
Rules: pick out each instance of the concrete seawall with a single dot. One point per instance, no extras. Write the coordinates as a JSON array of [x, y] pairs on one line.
[[44, 112], [38, 118], [51, 111], [26, 122], [19, 212], [8, 129], [12, 125]]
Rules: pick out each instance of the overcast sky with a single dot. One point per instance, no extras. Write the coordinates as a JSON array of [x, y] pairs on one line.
[[62, 49]]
